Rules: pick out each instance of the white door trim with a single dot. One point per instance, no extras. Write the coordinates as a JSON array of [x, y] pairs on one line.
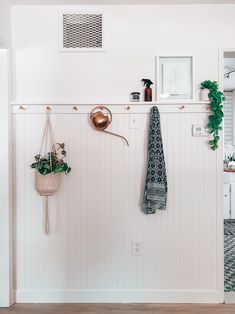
[[6, 230]]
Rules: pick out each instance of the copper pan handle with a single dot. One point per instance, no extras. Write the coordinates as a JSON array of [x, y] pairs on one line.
[[117, 136]]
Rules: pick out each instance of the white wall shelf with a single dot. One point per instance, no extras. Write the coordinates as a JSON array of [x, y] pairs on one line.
[[78, 103], [123, 108]]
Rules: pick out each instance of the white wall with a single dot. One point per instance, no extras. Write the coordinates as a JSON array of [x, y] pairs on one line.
[[5, 24], [88, 257], [135, 34]]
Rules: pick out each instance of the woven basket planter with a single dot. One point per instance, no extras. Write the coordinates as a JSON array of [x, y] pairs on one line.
[[47, 185]]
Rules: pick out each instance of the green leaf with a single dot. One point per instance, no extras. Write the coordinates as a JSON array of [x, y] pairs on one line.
[[51, 163], [216, 118]]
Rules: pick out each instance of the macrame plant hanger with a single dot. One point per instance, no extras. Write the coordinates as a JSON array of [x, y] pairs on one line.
[[48, 184]]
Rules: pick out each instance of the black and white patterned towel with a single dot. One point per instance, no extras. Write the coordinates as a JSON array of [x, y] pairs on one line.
[[155, 193], [229, 227], [229, 255]]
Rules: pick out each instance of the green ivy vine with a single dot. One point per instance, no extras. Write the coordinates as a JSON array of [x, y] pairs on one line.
[[215, 119]]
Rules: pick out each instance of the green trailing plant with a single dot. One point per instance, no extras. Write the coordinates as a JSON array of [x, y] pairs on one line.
[[52, 161], [215, 119]]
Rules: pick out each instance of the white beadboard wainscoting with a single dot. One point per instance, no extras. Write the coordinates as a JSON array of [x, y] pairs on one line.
[[96, 214]]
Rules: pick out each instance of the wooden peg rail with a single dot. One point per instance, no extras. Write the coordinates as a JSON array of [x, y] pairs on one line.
[[126, 108]]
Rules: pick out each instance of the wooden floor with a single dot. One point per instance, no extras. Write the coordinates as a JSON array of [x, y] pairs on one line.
[[120, 309]]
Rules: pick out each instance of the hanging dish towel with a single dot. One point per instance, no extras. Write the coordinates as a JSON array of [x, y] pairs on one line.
[[155, 193]]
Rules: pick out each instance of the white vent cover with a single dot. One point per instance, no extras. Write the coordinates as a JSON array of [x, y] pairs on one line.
[[81, 32]]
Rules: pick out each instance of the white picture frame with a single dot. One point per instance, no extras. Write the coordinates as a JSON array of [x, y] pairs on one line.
[[175, 78]]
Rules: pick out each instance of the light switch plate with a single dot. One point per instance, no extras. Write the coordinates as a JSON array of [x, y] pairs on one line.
[[134, 120], [137, 247]]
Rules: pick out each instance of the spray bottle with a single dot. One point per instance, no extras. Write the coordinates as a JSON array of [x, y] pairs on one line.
[[148, 90]]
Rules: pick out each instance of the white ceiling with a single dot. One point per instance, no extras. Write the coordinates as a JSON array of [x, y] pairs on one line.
[[88, 2]]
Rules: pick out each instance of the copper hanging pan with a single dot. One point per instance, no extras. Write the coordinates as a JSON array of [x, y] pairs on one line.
[[101, 117]]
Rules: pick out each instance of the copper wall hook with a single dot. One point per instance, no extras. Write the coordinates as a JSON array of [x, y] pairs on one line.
[[101, 117]]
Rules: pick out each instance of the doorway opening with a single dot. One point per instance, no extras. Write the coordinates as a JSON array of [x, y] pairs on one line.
[[228, 85]]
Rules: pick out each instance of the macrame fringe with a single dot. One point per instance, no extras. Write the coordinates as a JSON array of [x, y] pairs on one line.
[[45, 185], [47, 142], [46, 217]]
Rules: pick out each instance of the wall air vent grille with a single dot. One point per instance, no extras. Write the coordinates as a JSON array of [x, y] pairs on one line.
[[82, 32]]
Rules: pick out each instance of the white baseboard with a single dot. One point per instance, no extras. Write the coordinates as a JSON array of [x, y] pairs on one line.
[[229, 297], [119, 296]]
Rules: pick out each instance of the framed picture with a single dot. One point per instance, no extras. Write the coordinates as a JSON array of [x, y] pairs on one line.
[[174, 78]]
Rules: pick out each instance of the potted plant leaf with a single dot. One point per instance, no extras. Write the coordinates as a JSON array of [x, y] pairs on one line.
[[49, 168]]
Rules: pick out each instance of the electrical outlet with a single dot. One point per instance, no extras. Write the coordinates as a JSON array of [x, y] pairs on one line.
[[137, 247]]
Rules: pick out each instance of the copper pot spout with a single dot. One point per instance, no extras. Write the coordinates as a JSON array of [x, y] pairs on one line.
[[101, 117]]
